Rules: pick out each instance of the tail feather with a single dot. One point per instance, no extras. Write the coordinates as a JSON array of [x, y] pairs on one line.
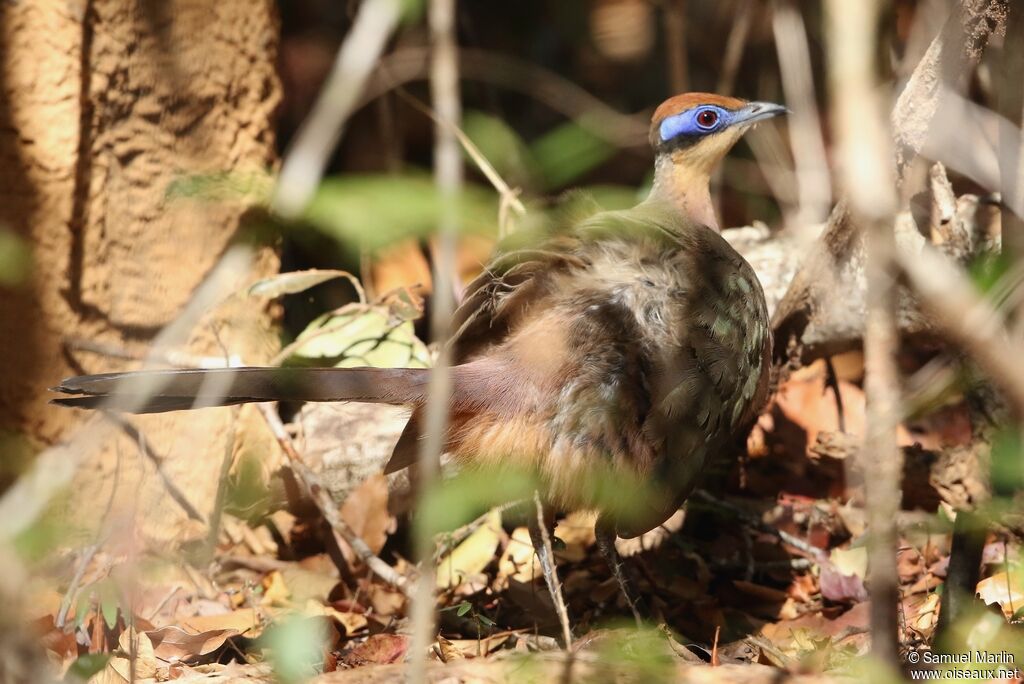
[[175, 390]]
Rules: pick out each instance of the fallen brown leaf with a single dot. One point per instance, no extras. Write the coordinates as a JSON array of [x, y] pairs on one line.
[[518, 562], [378, 649], [1005, 589], [366, 512], [471, 556], [174, 643]]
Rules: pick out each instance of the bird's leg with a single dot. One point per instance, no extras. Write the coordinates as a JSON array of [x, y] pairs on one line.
[[542, 546], [605, 533]]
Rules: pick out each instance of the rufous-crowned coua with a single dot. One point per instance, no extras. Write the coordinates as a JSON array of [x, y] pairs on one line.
[[631, 343]]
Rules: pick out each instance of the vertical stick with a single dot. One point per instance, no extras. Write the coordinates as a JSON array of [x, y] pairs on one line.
[[865, 149], [814, 188], [444, 88], [1010, 103], [735, 44], [675, 44]]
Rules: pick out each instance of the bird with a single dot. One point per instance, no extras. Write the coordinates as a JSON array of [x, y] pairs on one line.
[[629, 344]]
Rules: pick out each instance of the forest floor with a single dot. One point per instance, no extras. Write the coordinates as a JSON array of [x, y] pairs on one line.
[[764, 578]]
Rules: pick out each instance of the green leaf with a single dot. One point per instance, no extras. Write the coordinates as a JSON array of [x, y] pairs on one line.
[[374, 211], [485, 620], [988, 268], [254, 187], [501, 146], [567, 152], [15, 258], [464, 608], [1007, 463], [296, 647], [460, 499], [110, 604], [297, 281], [87, 665], [360, 336]]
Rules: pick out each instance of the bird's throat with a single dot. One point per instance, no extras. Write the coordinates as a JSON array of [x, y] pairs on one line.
[[686, 187]]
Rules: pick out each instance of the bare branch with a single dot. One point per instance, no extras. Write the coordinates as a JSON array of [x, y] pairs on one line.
[[946, 64], [305, 161]]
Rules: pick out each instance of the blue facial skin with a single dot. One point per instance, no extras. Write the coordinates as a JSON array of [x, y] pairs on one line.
[[685, 123]]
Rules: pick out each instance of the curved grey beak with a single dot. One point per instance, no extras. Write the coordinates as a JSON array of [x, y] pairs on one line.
[[757, 111]]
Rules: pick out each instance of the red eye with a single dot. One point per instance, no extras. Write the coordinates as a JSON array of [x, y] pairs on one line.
[[707, 118]]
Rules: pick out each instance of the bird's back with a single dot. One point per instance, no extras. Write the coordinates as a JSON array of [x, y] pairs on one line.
[[632, 347]]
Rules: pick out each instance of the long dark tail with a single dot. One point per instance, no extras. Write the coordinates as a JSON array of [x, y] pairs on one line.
[[158, 391]]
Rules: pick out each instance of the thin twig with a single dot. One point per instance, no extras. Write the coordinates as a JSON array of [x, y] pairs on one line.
[[832, 382], [172, 489], [971, 321], [320, 496], [869, 182], [69, 596], [558, 93], [444, 89], [315, 142], [509, 197], [171, 357], [557, 596]]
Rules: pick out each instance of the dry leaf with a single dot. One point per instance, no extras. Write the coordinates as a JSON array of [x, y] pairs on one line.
[[244, 621], [304, 583], [519, 562], [840, 587], [366, 512], [385, 601], [472, 648], [472, 555], [349, 621], [446, 651], [652, 539], [577, 531], [401, 264], [807, 632], [852, 561], [145, 660], [805, 400], [1005, 589], [174, 643], [927, 614], [379, 649], [275, 590]]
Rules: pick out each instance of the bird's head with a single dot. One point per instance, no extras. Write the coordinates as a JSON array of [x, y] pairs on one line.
[[698, 129], [690, 134]]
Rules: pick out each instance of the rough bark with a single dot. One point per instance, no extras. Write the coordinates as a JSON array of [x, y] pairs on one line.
[[103, 105]]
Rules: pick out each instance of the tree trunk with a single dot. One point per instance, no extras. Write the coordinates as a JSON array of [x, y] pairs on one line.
[[103, 105]]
